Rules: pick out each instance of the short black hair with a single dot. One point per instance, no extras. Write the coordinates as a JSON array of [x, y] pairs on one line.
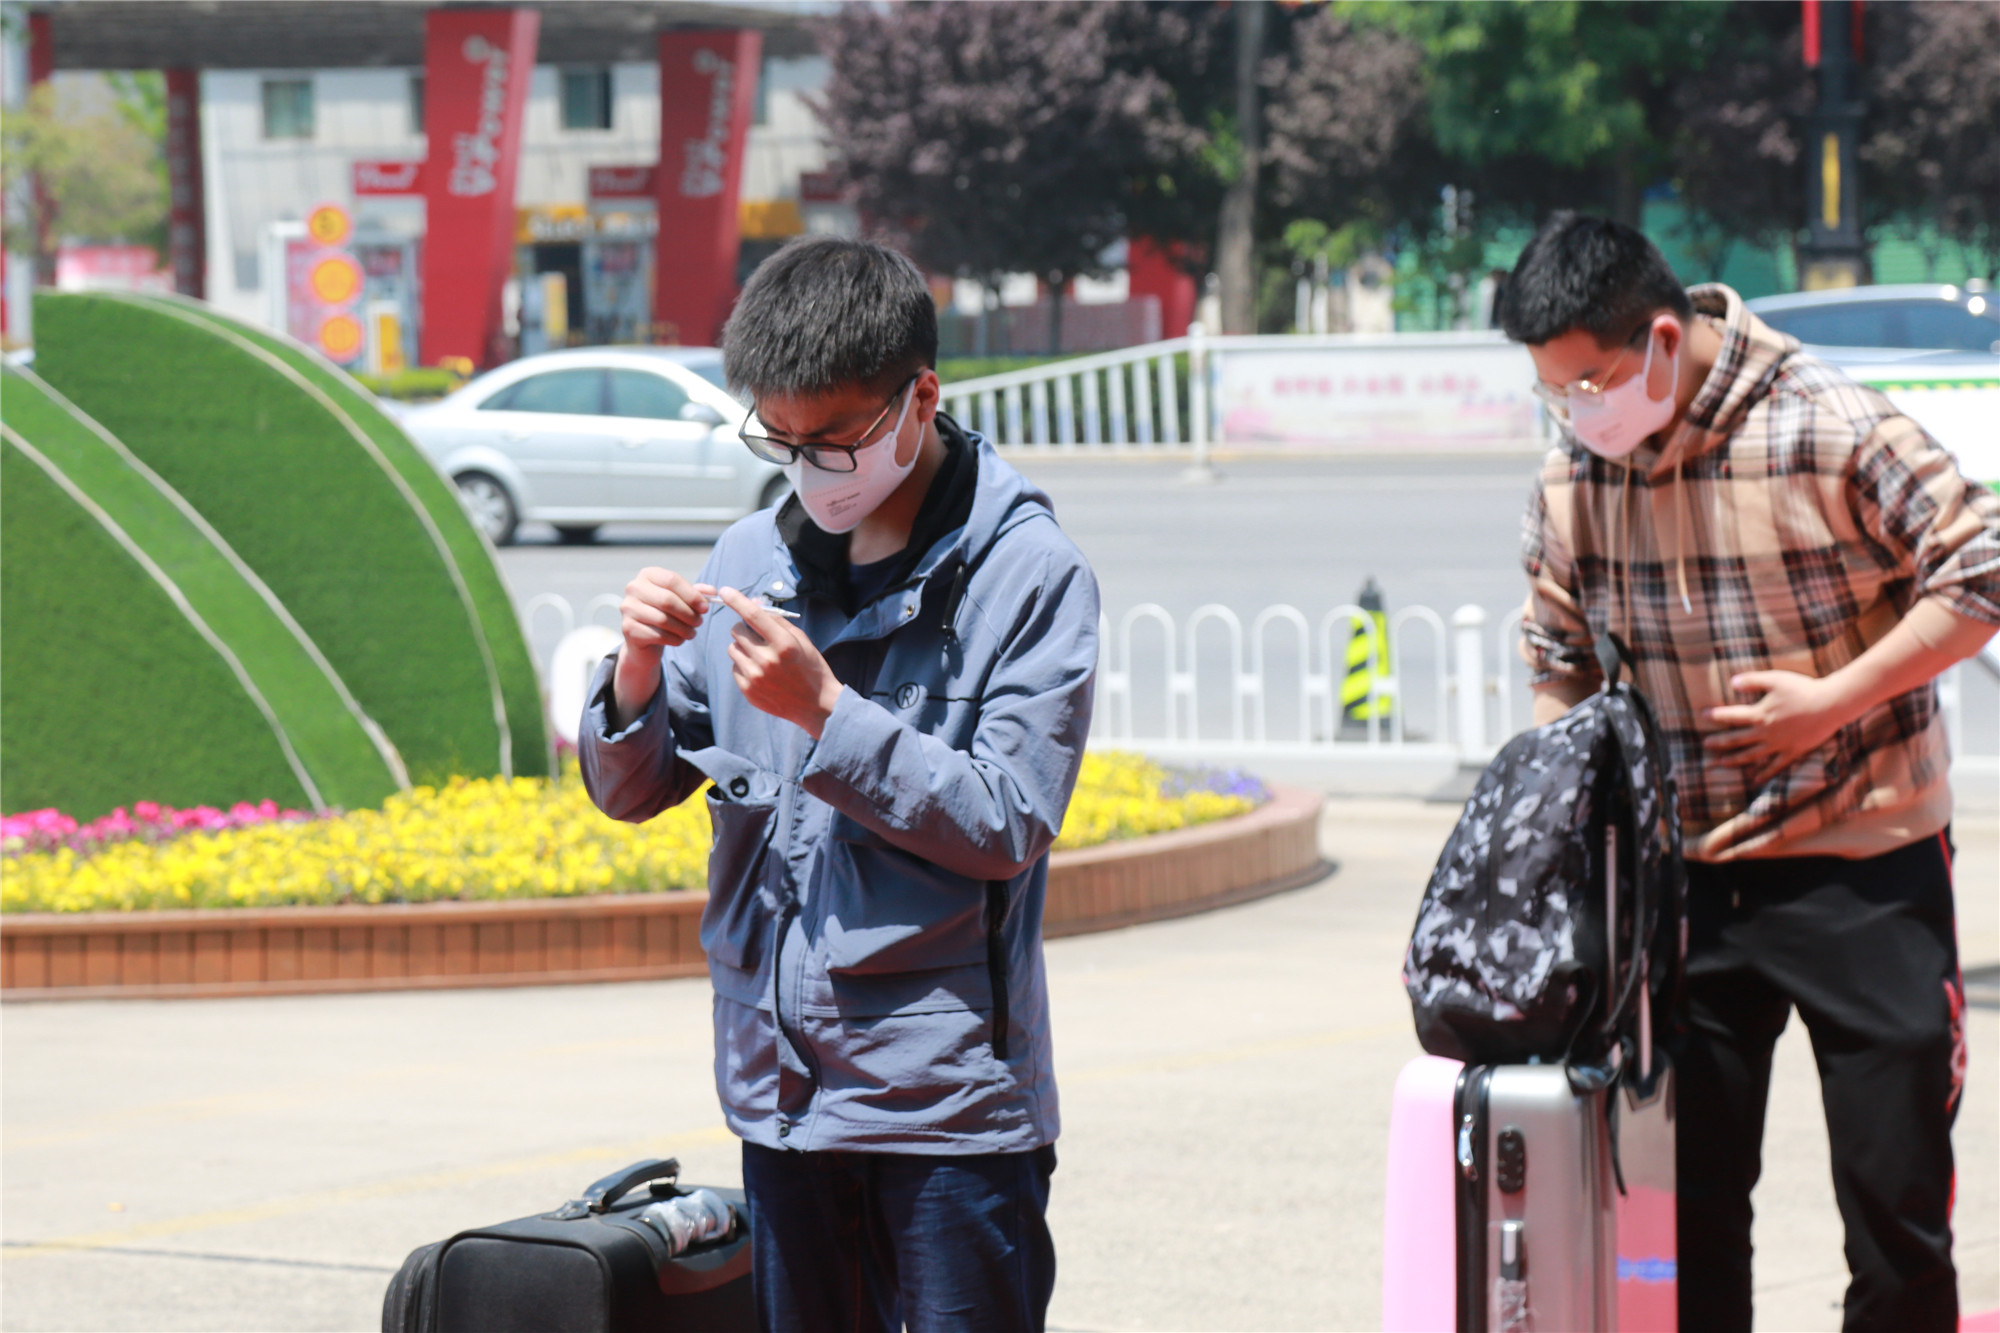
[[829, 311], [1588, 273]]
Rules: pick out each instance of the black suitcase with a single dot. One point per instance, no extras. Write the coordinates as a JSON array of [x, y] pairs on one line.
[[598, 1264]]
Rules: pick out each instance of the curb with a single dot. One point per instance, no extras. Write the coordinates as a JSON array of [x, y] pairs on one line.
[[610, 937]]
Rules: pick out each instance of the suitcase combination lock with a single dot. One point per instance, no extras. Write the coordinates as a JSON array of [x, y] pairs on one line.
[[1511, 1170]]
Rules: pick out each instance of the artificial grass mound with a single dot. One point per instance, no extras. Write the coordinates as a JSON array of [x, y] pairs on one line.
[[511, 664], [308, 507], [335, 753], [136, 689]]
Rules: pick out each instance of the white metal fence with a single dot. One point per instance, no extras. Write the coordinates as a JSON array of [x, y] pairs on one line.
[[1214, 681], [1131, 397], [1269, 687], [1456, 389]]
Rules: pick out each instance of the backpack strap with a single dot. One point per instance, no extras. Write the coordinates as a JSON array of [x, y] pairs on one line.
[[1614, 659]]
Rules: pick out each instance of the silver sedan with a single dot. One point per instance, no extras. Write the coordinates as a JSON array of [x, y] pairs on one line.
[[596, 435]]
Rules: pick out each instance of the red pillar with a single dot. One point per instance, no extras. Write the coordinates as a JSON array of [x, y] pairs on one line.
[[1151, 271], [476, 68], [41, 66], [187, 229], [707, 83]]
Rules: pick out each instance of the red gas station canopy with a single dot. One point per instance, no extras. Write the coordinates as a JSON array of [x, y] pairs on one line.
[[337, 34]]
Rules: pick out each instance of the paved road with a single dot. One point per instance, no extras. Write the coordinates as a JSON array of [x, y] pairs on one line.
[[1441, 532], [1436, 531], [264, 1164]]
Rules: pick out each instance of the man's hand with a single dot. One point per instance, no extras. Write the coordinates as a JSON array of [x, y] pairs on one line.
[[1795, 716], [777, 668], [661, 610]]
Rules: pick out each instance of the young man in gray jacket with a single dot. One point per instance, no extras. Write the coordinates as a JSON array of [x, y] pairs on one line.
[[886, 686]]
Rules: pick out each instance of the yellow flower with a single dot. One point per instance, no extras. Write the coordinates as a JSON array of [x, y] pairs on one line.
[[476, 838]]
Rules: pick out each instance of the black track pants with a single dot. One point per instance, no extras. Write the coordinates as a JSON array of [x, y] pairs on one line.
[[1867, 952]]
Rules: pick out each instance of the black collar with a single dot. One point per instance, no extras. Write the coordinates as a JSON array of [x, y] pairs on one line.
[[822, 556]]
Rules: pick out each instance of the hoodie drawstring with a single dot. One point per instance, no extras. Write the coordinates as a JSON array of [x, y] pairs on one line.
[[1681, 533]]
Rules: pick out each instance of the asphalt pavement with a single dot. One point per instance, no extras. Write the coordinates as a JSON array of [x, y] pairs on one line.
[[265, 1164]]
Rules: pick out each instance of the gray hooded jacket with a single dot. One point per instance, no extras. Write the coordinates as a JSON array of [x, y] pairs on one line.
[[874, 922]]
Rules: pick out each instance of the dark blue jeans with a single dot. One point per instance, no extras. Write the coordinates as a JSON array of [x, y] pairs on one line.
[[867, 1242]]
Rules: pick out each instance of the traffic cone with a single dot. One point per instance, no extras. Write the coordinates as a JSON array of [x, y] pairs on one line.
[[1370, 638]]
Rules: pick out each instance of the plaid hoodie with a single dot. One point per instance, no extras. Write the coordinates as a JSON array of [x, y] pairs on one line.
[[1800, 516]]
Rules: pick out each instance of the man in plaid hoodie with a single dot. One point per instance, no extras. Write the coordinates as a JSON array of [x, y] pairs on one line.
[[1793, 563]]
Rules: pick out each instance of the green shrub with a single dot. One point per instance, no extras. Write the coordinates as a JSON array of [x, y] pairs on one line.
[[417, 384], [513, 666], [288, 486], [951, 369]]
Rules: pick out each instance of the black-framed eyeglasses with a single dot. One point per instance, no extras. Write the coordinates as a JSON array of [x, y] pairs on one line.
[[825, 457]]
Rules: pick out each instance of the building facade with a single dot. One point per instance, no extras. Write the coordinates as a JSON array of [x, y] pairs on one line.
[[277, 144]]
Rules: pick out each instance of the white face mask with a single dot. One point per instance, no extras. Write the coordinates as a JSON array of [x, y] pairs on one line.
[[838, 501], [1614, 423]]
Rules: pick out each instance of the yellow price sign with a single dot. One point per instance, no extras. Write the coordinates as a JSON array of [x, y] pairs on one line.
[[329, 224], [340, 337], [336, 279]]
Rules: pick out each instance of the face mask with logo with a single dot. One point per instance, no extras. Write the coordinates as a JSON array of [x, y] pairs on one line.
[[838, 501], [1614, 423]]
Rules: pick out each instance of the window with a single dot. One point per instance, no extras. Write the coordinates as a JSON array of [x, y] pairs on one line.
[[586, 99], [416, 104], [1942, 325], [288, 109], [640, 393], [1950, 327], [712, 372], [1856, 324], [573, 392]]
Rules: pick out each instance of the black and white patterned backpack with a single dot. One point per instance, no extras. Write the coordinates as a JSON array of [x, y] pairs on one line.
[[1509, 960]]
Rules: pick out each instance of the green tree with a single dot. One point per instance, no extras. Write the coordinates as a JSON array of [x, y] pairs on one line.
[[103, 175], [1537, 104]]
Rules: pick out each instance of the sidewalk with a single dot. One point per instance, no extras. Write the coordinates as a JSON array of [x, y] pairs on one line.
[[266, 1164]]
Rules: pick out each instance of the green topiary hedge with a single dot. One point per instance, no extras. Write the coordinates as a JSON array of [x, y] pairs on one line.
[[336, 756], [105, 686], [316, 512], [482, 586]]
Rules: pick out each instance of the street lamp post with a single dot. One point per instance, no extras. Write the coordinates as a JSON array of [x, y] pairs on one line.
[[1834, 255]]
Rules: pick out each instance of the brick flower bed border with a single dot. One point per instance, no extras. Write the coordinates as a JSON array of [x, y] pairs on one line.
[[610, 937]]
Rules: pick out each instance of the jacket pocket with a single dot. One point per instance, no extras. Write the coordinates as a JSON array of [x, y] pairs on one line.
[[884, 911], [734, 923]]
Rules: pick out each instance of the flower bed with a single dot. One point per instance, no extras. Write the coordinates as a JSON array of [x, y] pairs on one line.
[[487, 839]]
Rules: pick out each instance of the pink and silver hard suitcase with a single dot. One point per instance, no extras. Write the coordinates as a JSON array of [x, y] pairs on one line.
[[1505, 1213], [1565, 1208]]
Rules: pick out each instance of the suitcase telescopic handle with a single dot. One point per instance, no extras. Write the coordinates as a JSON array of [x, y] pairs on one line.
[[602, 1194]]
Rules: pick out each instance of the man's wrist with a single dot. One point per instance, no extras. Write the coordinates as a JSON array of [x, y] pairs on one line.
[[634, 681], [829, 699]]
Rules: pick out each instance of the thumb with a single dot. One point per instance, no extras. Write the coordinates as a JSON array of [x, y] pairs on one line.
[[755, 614]]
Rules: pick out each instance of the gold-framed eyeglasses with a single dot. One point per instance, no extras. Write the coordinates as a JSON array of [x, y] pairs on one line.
[[825, 456], [1557, 398]]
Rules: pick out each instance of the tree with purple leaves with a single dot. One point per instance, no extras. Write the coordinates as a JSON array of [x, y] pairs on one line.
[[1930, 151], [994, 138]]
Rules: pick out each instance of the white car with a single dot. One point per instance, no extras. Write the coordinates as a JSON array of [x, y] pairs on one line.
[[1934, 349], [596, 435]]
